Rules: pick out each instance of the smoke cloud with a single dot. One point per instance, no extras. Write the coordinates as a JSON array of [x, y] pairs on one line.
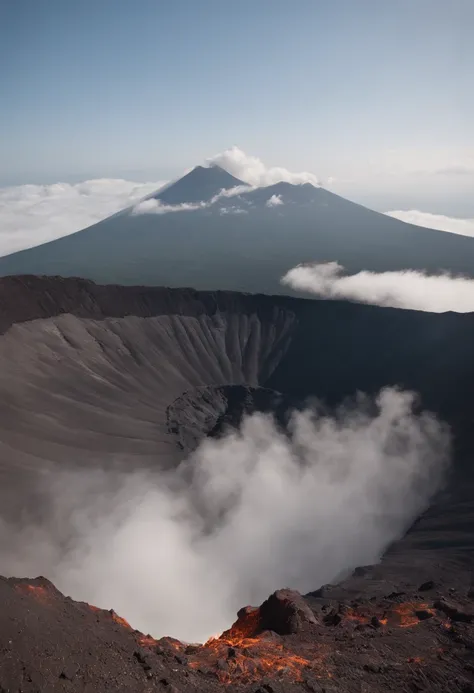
[[258, 509], [410, 289]]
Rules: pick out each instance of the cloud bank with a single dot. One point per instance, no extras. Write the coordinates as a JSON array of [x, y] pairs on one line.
[[253, 171], [178, 553], [34, 214], [463, 227], [409, 289]]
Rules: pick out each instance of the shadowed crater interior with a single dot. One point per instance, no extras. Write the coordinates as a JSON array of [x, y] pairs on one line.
[[134, 378]]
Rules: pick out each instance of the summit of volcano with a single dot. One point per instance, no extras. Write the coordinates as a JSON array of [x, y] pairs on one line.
[[213, 231]]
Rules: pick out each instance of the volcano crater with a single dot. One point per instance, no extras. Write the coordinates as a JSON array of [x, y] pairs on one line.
[[132, 378]]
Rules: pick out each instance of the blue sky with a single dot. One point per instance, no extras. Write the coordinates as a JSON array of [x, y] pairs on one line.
[[377, 95]]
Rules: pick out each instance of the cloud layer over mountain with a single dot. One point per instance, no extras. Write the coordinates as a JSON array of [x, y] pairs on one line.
[[463, 227], [404, 289], [34, 214]]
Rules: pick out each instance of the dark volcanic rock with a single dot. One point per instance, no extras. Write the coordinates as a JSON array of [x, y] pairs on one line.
[[51, 643], [286, 612], [454, 612], [102, 376]]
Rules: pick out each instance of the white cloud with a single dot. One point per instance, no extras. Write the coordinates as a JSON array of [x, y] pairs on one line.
[[153, 206], [232, 192], [34, 214], [253, 171], [409, 289], [178, 553], [274, 201], [463, 227], [233, 210]]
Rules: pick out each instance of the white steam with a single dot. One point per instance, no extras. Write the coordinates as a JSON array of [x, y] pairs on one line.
[[253, 171], [179, 553], [410, 289]]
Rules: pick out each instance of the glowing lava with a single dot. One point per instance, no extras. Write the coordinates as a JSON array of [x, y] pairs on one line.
[[246, 653], [38, 591], [243, 660], [242, 654], [121, 621], [147, 641], [406, 613], [402, 615]]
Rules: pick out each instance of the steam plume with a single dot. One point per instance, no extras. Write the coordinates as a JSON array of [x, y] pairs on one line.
[[256, 510]]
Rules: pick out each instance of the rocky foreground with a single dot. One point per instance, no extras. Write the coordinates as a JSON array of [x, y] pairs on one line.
[[400, 642]]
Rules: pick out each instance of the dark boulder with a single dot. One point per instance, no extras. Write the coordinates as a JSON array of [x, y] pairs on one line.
[[286, 612]]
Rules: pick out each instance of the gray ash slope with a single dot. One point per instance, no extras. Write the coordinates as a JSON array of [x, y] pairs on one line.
[[94, 373], [240, 243], [99, 359]]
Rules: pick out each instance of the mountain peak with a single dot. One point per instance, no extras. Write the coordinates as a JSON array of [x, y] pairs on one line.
[[198, 185]]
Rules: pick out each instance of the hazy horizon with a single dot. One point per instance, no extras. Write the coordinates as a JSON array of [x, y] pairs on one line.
[[323, 88]]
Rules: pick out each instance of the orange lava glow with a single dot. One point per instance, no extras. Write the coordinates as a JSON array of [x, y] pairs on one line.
[[121, 621], [406, 613], [399, 615], [244, 654], [241, 656], [37, 591], [147, 641], [115, 617], [143, 640], [248, 659], [353, 615], [447, 626]]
